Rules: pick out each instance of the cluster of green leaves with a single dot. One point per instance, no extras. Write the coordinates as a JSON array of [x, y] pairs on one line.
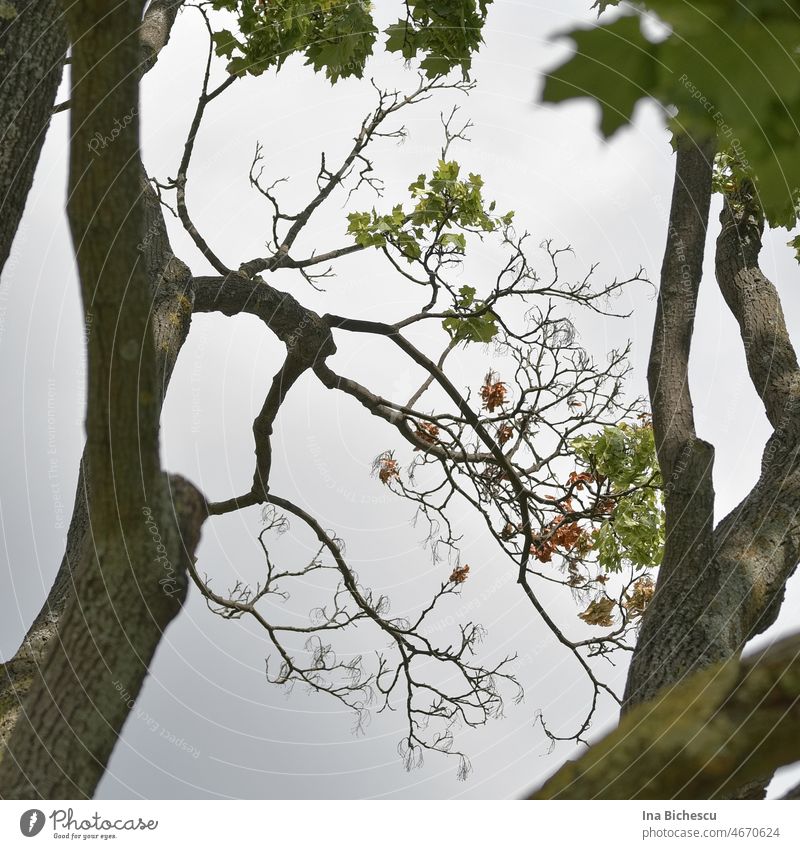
[[444, 209], [471, 321], [338, 36], [447, 32], [445, 206], [624, 455], [731, 69]]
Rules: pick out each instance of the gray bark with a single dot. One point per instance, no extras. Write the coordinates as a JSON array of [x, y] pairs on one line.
[[156, 29], [130, 582], [680, 630], [171, 303], [718, 587], [33, 44]]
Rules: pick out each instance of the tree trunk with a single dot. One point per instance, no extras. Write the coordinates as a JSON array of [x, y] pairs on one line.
[[33, 43], [717, 587], [681, 627], [130, 580]]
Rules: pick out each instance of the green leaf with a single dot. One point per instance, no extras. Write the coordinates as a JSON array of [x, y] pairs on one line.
[[477, 329], [338, 36], [240, 65], [459, 240], [732, 70], [468, 295], [224, 43], [446, 32], [471, 328], [614, 64], [624, 455], [446, 208], [399, 41], [436, 66]]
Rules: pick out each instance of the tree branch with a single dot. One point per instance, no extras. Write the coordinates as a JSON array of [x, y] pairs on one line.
[[760, 538], [716, 731], [33, 44], [159, 18]]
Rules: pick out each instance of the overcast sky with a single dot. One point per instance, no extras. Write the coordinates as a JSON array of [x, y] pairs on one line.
[[207, 722]]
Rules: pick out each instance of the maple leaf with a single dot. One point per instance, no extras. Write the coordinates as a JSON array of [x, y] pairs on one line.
[[579, 479]]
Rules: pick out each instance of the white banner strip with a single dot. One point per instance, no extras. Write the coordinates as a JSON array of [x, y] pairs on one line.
[[399, 825]]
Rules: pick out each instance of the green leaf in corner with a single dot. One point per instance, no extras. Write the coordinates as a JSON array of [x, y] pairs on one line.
[[614, 64], [795, 243]]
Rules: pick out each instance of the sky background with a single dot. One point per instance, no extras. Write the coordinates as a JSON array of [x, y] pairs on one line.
[[207, 723]]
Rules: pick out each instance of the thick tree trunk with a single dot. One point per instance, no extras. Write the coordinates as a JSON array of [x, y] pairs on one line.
[[33, 43], [171, 302], [717, 587], [171, 315], [682, 629], [131, 581]]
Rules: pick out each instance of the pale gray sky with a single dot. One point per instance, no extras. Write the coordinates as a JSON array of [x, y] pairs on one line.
[[207, 722]]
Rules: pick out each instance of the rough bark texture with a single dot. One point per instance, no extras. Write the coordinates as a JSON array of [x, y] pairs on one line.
[[718, 587], [722, 728], [171, 303], [155, 30], [680, 631], [131, 582], [171, 306], [761, 536], [159, 288], [33, 43]]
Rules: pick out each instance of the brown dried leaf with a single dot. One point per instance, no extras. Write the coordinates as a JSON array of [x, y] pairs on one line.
[[600, 612], [636, 603], [427, 432], [493, 392], [459, 574], [389, 469], [504, 433]]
